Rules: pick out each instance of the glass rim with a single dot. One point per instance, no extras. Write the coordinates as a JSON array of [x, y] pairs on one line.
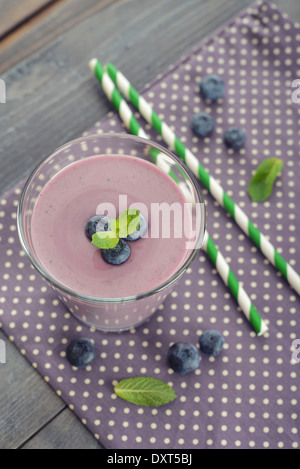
[[94, 299]]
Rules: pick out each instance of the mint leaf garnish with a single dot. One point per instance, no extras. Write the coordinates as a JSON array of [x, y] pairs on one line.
[[105, 239], [145, 391], [261, 184], [128, 222]]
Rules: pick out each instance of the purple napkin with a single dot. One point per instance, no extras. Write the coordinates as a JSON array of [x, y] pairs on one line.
[[247, 397]]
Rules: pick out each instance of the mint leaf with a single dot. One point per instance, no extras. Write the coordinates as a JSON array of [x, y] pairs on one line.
[[145, 391], [261, 184], [128, 222], [105, 239], [134, 223]]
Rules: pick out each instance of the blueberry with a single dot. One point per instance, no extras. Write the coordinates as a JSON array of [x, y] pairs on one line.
[[97, 223], [117, 255], [81, 352], [202, 124], [141, 231], [211, 342], [212, 87], [235, 138], [183, 357]]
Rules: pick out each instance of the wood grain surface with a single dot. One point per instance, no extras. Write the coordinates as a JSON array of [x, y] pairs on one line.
[[43, 27], [27, 403], [15, 12], [52, 98], [63, 432]]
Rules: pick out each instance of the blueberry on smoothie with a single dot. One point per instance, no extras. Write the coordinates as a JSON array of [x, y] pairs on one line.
[[235, 138], [80, 352], [202, 124], [117, 255], [141, 230], [211, 342], [95, 224], [183, 358], [212, 87]]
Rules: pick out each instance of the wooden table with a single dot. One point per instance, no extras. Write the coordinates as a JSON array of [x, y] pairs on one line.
[[52, 98]]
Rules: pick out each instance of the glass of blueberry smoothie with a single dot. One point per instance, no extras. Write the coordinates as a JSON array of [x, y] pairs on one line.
[[111, 221]]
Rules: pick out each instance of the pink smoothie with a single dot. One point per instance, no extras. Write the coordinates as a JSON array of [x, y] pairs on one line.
[[71, 198]]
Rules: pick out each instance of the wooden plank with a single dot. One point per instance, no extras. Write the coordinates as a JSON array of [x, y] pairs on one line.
[[26, 401], [14, 12], [64, 432], [44, 27]]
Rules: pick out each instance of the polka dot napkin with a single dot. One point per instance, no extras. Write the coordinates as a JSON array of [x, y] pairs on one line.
[[248, 396]]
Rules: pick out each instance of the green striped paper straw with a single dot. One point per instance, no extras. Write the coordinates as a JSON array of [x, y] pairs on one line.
[[208, 180], [234, 286], [126, 114], [213, 253]]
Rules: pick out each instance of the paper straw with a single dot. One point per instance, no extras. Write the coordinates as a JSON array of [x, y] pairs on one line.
[[209, 181], [234, 286], [210, 248]]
